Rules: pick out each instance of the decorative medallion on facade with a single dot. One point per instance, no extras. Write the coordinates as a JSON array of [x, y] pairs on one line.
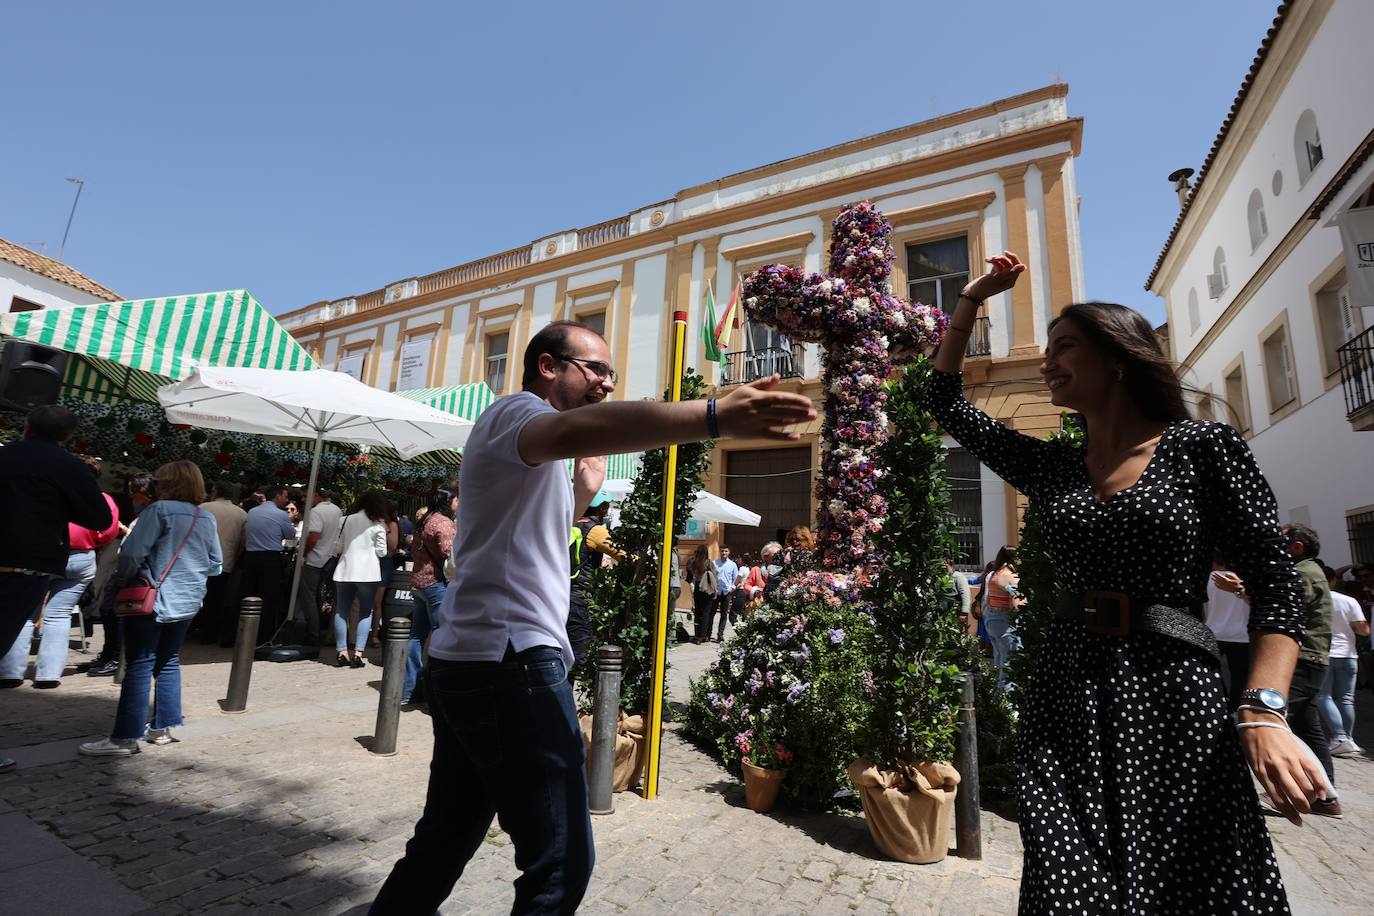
[[657, 219]]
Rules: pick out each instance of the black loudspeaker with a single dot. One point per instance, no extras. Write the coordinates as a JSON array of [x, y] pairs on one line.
[[30, 375]]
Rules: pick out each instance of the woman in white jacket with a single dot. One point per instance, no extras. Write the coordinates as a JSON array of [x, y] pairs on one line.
[[362, 543]]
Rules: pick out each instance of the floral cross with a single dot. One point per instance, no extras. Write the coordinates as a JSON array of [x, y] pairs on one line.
[[858, 322]]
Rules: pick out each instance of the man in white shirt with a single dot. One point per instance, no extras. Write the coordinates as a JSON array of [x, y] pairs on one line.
[[506, 737], [1227, 614], [325, 521]]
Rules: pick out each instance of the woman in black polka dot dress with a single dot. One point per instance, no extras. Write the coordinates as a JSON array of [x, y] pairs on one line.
[[1133, 791]]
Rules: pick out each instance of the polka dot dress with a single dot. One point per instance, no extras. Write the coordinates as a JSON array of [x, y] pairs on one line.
[[1133, 794]]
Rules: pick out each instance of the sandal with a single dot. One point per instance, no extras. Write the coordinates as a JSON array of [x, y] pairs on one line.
[[341, 661]]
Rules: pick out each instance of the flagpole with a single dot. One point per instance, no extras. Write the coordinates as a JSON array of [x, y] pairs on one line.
[[662, 621]]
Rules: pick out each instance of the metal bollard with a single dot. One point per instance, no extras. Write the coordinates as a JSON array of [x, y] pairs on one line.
[[245, 644], [610, 662], [968, 824], [396, 638]]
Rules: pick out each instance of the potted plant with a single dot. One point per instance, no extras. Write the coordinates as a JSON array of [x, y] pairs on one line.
[[903, 778], [765, 762]]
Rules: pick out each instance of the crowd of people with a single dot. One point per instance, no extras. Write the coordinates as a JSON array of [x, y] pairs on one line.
[[1139, 719]]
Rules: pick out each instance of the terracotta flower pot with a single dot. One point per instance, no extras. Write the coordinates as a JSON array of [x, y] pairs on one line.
[[761, 787], [907, 809]]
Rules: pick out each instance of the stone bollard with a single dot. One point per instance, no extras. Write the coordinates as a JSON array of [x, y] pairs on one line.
[[968, 824], [245, 644], [395, 640], [610, 661]]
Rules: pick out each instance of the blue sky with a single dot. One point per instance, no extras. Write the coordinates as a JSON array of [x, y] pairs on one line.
[[311, 150]]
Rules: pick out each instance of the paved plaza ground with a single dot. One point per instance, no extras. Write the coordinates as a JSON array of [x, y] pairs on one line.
[[282, 810]]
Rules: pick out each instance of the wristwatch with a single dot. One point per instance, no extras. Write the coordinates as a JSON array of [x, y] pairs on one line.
[[1266, 697]]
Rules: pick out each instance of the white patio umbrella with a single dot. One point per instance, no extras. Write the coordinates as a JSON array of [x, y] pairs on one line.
[[708, 506], [317, 404]]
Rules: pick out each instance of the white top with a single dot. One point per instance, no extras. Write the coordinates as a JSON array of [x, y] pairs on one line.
[[1228, 615], [360, 544], [326, 518], [511, 583], [1345, 610]]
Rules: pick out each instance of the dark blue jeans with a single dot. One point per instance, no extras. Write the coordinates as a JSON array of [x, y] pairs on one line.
[[152, 655], [428, 601], [506, 744]]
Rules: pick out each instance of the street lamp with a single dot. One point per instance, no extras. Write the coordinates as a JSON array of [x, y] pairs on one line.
[[80, 183]]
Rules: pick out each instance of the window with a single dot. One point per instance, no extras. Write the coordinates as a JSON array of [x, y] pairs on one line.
[[1307, 145], [966, 505], [1206, 405], [1194, 314], [1338, 321], [1254, 214], [1219, 278], [497, 346], [596, 321], [1237, 404], [23, 305], [1279, 376], [1359, 525], [937, 271]]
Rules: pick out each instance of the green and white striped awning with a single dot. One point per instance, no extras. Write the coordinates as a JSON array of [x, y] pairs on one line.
[[466, 401], [128, 349]]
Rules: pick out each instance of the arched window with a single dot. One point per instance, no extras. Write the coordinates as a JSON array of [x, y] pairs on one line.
[[1307, 144], [1194, 315], [1254, 214], [1218, 279]]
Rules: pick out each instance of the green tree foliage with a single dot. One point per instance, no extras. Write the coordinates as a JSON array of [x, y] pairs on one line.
[[623, 599]]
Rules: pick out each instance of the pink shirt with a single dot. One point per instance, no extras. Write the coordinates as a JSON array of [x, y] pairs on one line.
[[86, 539]]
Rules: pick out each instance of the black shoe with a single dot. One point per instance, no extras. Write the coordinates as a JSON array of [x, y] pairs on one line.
[[46, 685], [359, 662], [341, 661], [102, 668], [11, 681]]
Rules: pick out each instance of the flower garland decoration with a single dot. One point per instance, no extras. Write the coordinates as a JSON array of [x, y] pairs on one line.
[[859, 323]]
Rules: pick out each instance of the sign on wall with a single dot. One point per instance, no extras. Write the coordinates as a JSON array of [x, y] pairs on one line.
[[1357, 237], [352, 363], [415, 356]]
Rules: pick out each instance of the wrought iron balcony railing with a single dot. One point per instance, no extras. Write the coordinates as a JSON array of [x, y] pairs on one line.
[[978, 341], [744, 366], [1357, 375]]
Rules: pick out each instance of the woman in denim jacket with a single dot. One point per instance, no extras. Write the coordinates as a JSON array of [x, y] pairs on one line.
[[153, 641]]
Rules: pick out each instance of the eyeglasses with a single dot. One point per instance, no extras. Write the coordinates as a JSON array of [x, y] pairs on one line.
[[599, 369]]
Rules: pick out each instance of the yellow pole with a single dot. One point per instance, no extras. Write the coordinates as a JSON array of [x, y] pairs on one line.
[[662, 621]]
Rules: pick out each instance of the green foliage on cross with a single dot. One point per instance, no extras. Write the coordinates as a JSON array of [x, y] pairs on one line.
[[622, 599]]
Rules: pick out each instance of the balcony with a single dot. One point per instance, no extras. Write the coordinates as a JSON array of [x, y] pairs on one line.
[[742, 366], [978, 342], [1357, 379]]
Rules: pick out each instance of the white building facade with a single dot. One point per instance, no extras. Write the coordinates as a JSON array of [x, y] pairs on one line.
[[29, 281], [955, 187], [1265, 302]]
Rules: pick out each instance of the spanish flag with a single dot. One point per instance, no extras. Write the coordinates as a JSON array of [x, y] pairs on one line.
[[729, 321]]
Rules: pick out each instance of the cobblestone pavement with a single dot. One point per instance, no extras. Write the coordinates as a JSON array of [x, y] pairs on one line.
[[283, 810]]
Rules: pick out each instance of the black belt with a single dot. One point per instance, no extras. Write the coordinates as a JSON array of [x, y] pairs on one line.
[[1120, 614]]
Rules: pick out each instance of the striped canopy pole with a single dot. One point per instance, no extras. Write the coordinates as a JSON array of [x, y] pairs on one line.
[[305, 525]]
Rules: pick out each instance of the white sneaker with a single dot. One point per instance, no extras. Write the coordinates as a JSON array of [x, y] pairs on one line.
[[108, 747], [1345, 747], [160, 736]]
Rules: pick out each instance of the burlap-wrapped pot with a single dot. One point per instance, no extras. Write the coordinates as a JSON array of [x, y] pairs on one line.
[[629, 749], [908, 808]]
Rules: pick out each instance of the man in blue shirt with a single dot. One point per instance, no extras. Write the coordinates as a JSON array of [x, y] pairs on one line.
[[726, 574], [264, 531]]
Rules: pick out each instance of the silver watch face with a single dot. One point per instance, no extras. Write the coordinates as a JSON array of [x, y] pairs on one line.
[[1271, 698]]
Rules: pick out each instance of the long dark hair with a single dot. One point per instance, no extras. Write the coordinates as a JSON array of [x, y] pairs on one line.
[[1126, 337], [441, 500], [372, 504], [1005, 557]]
